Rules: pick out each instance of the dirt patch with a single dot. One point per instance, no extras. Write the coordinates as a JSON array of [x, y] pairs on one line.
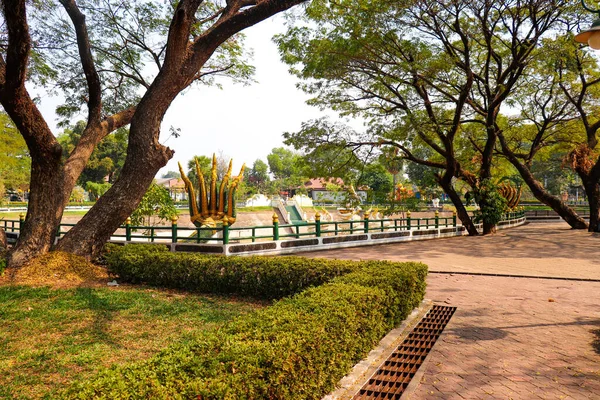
[[58, 270]]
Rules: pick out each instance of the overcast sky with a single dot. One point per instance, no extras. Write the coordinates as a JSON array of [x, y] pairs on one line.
[[245, 122]]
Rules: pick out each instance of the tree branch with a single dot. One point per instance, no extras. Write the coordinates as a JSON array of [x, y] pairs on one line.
[[87, 61]]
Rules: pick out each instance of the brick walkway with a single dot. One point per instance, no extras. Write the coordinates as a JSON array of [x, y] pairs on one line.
[[542, 249], [510, 338]]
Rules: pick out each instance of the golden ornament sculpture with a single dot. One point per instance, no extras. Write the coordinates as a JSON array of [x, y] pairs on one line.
[[511, 195], [218, 206]]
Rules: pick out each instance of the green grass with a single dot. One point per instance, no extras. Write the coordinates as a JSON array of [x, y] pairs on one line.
[[48, 338], [253, 209], [14, 215]]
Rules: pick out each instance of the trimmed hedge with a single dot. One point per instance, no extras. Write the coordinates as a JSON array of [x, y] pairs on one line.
[[298, 348], [257, 276]]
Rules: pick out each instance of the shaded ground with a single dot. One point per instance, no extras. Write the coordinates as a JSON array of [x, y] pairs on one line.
[[510, 338]]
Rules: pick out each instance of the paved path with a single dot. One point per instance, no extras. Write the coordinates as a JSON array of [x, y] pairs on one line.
[[542, 249], [510, 338]]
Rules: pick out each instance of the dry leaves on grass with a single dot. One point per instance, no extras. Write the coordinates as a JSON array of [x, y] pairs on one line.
[[58, 270]]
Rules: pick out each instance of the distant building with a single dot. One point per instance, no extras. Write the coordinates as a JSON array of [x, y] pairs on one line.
[[175, 186]]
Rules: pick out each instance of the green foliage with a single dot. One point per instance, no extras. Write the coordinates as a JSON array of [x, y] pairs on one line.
[[129, 42], [258, 176], [379, 180], [97, 189], [325, 151], [107, 158], [283, 163], [75, 333], [156, 205], [77, 195], [171, 174], [257, 276], [492, 205], [15, 162], [298, 348]]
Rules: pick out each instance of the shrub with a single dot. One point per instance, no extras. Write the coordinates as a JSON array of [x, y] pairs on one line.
[[296, 349], [258, 276]]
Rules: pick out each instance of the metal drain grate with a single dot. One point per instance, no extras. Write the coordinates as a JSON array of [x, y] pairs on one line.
[[394, 375]]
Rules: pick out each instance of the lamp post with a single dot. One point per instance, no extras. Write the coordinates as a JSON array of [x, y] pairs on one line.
[[590, 36]]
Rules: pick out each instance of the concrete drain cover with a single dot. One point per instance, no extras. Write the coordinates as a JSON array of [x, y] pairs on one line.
[[394, 375]]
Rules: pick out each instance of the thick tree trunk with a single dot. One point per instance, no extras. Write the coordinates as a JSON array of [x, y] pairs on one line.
[[540, 193], [592, 190], [145, 156], [488, 228], [46, 206], [461, 211]]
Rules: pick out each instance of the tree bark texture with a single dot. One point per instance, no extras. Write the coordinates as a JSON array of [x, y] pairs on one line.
[[540, 193], [461, 211], [592, 189]]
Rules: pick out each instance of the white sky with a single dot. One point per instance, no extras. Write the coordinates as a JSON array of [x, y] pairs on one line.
[[245, 122]]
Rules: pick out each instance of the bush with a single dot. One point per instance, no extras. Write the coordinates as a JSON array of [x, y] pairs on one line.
[[257, 276], [298, 348]]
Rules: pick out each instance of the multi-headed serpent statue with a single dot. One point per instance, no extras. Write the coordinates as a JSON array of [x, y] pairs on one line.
[[220, 207]]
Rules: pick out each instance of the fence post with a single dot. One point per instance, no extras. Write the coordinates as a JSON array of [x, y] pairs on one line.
[[174, 229], [275, 227], [225, 230], [366, 224], [437, 219], [318, 224], [128, 229], [21, 222], [408, 220], [454, 219]]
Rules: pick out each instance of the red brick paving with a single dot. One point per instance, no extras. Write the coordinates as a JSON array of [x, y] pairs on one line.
[[542, 249], [508, 341], [510, 338]]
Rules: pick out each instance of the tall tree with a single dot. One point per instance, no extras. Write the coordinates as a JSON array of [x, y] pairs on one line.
[[96, 53], [424, 74], [287, 168], [259, 175], [579, 77]]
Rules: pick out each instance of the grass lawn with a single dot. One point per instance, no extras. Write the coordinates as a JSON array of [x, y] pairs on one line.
[[51, 337], [14, 215]]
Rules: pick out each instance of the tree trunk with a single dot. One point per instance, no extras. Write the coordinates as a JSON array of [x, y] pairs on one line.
[[540, 193], [44, 212], [461, 211], [145, 156], [88, 237], [592, 189]]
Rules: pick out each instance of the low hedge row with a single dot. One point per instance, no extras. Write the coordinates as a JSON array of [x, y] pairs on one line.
[[258, 276], [298, 348]]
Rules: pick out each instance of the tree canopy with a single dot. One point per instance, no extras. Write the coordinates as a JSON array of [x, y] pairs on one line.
[[429, 77], [116, 63]]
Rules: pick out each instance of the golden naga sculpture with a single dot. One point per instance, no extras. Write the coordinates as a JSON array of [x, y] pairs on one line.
[[220, 207], [511, 195]]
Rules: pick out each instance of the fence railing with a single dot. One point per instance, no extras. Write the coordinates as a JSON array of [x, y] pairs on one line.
[[276, 231]]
